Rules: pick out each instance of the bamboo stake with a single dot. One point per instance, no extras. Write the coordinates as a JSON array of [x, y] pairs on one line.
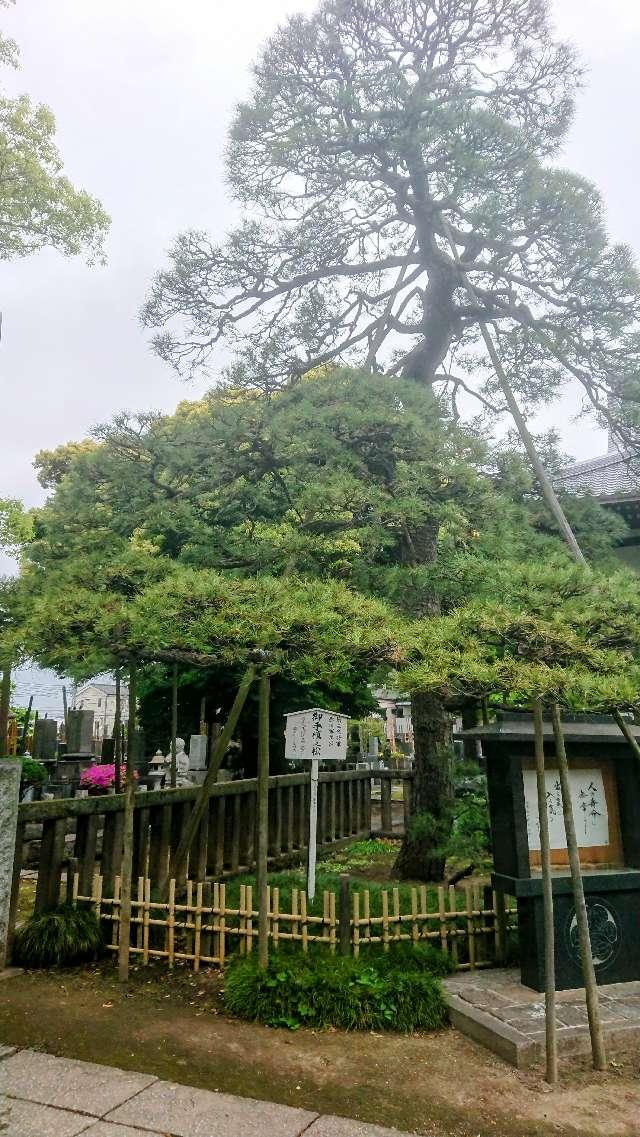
[[174, 724], [127, 835], [547, 898], [263, 820], [588, 970], [179, 861]]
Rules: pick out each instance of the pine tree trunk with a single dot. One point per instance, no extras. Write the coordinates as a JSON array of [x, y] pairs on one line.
[[420, 857]]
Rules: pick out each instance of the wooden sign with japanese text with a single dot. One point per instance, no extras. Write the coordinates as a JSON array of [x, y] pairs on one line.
[[316, 735]]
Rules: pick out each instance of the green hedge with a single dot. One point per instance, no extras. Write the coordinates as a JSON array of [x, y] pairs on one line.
[[378, 992]]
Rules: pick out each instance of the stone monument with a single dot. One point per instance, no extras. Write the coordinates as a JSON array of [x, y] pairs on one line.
[[45, 740], [79, 732], [198, 758], [604, 781], [9, 799]]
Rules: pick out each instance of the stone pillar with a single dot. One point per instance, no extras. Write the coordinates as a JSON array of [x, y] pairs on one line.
[[9, 798], [198, 758], [80, 732], [45, 740]]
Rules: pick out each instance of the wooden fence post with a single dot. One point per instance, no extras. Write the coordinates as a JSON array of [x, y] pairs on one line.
[[174, 724]]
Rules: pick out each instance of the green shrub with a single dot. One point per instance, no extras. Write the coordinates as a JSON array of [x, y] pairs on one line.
[[320, 991], [407, 957], [66, 935], [34, 773]]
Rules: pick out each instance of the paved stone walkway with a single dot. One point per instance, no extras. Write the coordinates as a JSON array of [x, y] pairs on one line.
[[495, 1009], [43, 1096]]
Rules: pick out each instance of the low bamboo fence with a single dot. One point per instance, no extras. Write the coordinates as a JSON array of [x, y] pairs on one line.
[[196, 925]]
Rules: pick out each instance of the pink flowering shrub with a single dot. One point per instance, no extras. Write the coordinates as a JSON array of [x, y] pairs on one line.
[[100, 779]]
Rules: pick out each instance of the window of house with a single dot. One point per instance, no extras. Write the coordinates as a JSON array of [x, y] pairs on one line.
[[99, 702]]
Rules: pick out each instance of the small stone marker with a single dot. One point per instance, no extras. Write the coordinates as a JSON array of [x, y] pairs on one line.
[[9, 798]]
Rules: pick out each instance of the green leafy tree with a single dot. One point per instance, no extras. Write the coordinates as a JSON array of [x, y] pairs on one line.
[[345, 475], [389, 147], [39, 207]]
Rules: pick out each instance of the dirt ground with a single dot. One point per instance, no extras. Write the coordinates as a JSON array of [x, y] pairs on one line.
[[442, 1085]]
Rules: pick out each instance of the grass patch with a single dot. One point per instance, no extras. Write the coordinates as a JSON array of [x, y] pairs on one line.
[[64, 936], [377, 992]]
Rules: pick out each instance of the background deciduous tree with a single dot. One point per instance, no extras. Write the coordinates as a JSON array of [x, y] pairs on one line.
[[39, 206]]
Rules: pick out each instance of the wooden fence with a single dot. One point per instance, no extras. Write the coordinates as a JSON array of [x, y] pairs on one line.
[[197, 926], [89, 830]]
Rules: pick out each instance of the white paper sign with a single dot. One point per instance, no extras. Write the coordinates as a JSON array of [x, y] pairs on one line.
[[316, 734], [588, 802]]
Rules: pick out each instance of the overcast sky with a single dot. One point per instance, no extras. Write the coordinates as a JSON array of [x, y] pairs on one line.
[[143, 91]]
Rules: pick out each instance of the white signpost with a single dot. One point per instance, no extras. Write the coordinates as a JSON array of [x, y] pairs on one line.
[[315, 736]]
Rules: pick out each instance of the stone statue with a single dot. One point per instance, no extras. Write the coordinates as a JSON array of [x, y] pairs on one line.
[[182, 766]]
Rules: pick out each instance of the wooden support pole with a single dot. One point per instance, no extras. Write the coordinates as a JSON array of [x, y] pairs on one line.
[[263, 821], [203, 715], [127, 836], [628, 734], [25, 729], [174, 724], [547, 899], [117, 738], [65, 710], [5, 703], [588, 970], [191, 829]]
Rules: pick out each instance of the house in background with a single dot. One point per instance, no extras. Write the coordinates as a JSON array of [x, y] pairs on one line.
[[614, 479], [101, 699]]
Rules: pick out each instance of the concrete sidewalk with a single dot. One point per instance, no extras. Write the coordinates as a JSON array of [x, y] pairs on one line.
[[43, 1096]]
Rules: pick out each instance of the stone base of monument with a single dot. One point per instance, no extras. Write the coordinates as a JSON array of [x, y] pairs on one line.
[[495, 1009]]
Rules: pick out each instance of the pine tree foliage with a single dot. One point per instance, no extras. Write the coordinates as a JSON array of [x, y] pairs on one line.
[[376, 131]]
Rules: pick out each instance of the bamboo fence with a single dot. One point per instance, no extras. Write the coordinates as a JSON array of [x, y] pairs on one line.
[[196, 925]]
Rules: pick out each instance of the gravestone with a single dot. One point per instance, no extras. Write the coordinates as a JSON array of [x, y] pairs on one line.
[[9, 798], [80, 732], [198, 758], [45, 740]]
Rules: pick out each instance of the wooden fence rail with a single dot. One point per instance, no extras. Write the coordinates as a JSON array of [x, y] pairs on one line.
[[89, 830], [196, 925]]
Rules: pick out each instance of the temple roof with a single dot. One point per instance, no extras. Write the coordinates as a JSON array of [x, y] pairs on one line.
[[612, 477]]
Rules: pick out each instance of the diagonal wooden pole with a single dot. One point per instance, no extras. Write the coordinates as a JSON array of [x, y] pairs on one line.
[[586, 957], [179, 860], [628, 733], [541, 474], [547, 901]]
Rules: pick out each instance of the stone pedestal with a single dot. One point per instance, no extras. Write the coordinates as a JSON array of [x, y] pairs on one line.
[[9, 799], [80, 732], [45, 740]]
